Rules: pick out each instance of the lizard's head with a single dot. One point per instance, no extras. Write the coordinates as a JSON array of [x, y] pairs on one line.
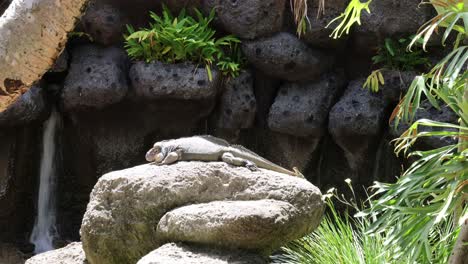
[[155, 153]]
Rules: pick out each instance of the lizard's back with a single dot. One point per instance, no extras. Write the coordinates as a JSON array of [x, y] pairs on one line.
[[201, 147]]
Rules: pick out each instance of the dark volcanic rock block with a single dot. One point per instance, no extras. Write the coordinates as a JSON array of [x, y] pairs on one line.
[[317, 34], [61, 63], [238, 105], [31, 106], [284, 56], [427, 111], [172, 81], [104, 23], [97, 78], [356, 121], [390, 18], [248, 19], [301, 109]]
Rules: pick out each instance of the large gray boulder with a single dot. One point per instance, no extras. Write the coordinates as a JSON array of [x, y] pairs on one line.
[[97, 78], [284, 56], [125, 208], [248, 19], [180, 253], [237, 106], [183, 81], [71, 254], [32, 106], [301, 108], [261, 224]]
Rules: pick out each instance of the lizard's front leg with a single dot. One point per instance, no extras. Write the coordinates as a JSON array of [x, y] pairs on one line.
[[171, 157], [229, 158]]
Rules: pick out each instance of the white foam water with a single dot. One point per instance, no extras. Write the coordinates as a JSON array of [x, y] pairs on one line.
[[44, 230]]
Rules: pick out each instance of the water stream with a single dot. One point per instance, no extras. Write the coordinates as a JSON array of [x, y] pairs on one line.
[[44, 230]]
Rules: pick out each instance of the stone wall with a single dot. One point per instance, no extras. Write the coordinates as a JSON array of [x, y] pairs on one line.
[[299, 102]]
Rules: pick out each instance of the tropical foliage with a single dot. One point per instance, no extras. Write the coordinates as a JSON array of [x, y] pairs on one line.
[[343, 239], [422, 216], [183, 38], [394, 55]]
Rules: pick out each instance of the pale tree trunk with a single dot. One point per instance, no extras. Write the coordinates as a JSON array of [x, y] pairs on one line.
[[32, 34]]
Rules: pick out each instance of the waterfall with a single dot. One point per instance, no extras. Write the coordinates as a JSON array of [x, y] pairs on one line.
[[44, 230]]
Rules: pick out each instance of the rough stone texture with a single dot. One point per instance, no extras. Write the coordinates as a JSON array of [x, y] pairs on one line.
[[61, 64], [427, 111], [96, 78], [284, 56], [358, 119], [316, 34], [263, 224], [248, 19], [237, 105], [390, 18], [19, 164], [172, 81], [355, 122], [30, 107], [126, 206], [10, 255], [179, 253], [301, 108], [71, 254], [104, 23]]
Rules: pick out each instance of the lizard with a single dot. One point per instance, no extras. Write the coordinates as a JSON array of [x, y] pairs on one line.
[[210, 148]]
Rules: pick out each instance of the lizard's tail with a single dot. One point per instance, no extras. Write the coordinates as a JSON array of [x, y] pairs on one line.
[[298, 173]]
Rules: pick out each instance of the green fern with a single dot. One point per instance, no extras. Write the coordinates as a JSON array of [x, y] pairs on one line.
[[172, 39]]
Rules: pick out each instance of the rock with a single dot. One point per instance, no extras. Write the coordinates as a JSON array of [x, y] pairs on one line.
[[389, 18], [237, 105], [179, 253], [126, 206], [96, 78], [104, 23], [301, 109], [19, 156], [32, 106], [284, 56], [248, 19], [172, 81], [10, 255], [427, 111], [356, 122], [71, 254], [262, 224], [61, 63], [317, 35]]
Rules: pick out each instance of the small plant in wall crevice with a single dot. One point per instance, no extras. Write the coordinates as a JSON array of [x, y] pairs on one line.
[[183, 38]]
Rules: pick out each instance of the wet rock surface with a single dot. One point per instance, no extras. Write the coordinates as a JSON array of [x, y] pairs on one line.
[[284, 56], [97, 78], [32, 106]]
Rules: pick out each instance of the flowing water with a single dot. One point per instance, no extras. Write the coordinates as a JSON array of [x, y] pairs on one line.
[[44, 229]]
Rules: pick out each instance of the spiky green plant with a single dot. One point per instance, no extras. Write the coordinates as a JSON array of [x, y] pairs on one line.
[[183, 38], [343, 239]]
